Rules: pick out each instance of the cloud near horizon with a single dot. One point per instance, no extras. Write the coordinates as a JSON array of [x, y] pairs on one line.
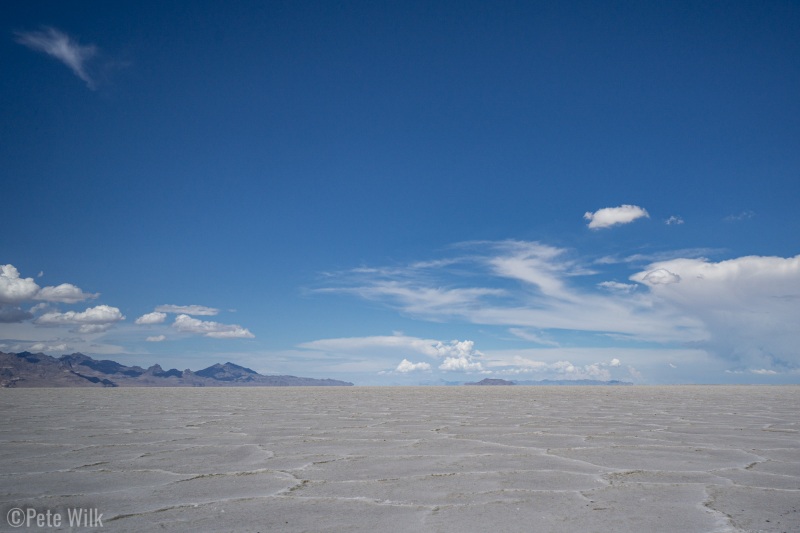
[[15, 290], [462, 357], [749, 306], [613, 216], [406, 366], [61, 46], [186, 324], [741, 310]]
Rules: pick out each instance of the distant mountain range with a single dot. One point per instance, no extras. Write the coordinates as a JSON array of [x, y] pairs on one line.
[[27, 369], [492, 381]]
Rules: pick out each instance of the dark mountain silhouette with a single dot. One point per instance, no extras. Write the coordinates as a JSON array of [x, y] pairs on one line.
[[491, 381], [26, 369]]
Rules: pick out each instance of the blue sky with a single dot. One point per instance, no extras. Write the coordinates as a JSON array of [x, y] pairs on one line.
[[406, 192]]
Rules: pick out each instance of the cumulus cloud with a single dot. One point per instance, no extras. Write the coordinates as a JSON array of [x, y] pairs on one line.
[[459, 356], [186, 324], [156, 338], [92, 320], [612, 216], [560, 369], [13, 288], [659, 276], [406, 366], [749, 306], [151, 318], [197, 310], [674, 220], [461, 364], [455, 355], [61, 46], [64, 293]]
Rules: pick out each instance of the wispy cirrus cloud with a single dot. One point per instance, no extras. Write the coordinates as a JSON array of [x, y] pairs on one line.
[[741, 310], [61, 46], [744, 215], [521, 285], [198, 310]]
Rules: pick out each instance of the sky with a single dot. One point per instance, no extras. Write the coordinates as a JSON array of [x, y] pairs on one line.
[[405, 192]]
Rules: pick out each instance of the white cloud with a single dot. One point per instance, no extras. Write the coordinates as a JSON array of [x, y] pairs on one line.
[[459, 356], [533, 263], [406, 366], [674, 220], [198, 310], [156, 338], [612, 216], [455, 355], [92, 320], [763, 372], [635, 374], [187, 324], [414, 298], [14, 289], [151, 318], [461, 364], [560, 369], [615, 286], [57, 44], [391, 344], [743, 309], [65, 293], [659, 276], [749, 306], [533, 337], [545, 299], [45, 347]]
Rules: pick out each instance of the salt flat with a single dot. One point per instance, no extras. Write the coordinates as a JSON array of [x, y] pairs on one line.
[[544, 459]]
